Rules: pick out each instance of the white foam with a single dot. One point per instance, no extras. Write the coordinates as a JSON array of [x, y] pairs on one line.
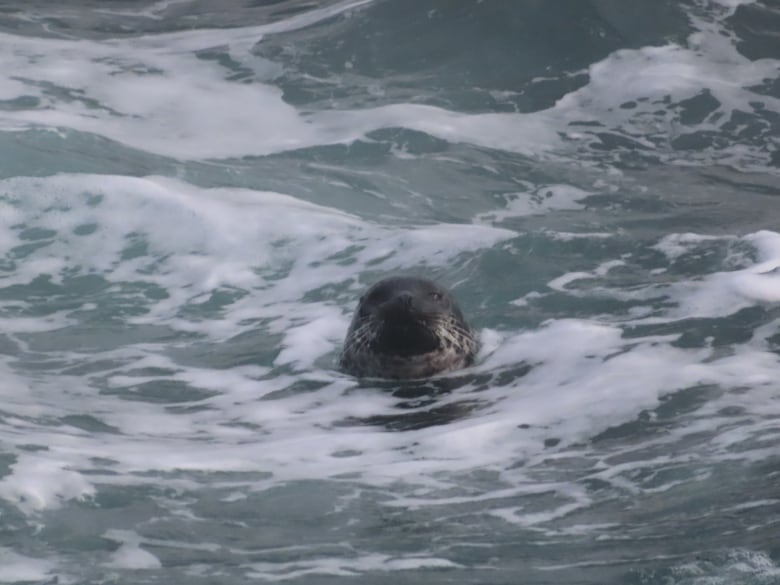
[[190, 242], [199, 240], [39, 481], [541, 200], [569, 236], [130, 555], [676, 245], [741, 565], [713, 295], [16, 568], [724, 293], [708, 62], [154, 12], [522, 133], [153, 93], [292, 417], [732, 5], [316, 337], [584, 377], [346, 567], [178, 105], [669, 70]]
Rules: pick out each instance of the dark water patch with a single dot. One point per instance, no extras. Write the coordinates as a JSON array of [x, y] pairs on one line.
[[699, 140], [612, 140], [254, 347], [299, 386], [85, 229], [92, 338], [367, 179], [293, 516], [421, 403], [6, 462], [740, 181], [25, 250], [94, 19], [758, 127], [725, 331], [447, 46], [8, 346], [219, 55], [694, 111], [756, 25], [659, 421], [149, 371], [82, 525], [218, 301], [431, 416], [89, 423], [114, 302], [32, 234], [39, 152], [424, 389], [160, 392], [732, 330], [25, 102], [556, 305]]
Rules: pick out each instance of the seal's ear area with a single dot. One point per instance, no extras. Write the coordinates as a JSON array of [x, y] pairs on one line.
[[363, 310]]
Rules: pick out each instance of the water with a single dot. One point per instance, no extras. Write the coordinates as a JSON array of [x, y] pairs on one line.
[[193, 193]]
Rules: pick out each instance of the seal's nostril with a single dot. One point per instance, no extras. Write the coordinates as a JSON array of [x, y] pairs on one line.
[[405, 299]]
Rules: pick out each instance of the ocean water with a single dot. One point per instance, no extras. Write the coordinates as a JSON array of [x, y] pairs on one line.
[[193, 194]]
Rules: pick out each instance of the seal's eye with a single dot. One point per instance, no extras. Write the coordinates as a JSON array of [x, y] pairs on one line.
[[436, 296]]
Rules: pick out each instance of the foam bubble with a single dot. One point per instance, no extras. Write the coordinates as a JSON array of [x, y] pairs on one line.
[[346, 567], [713, 295], [130, 555], [540, 200], [184, 351], [155, 93], [190, 242], [740, 565], [675, 245], [626, 88], [732, 5], [16, 568], [38, 482]]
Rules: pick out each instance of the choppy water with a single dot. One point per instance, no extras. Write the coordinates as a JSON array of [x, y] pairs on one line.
[[193, 193]]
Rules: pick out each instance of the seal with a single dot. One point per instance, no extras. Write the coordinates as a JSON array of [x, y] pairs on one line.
[[407, 327]]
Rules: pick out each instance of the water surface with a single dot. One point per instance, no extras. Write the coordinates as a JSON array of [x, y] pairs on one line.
[[193, 194]]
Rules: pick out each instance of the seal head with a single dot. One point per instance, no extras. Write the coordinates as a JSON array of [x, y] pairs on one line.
[[407, 327]]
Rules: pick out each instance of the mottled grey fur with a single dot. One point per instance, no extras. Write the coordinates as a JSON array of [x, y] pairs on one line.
[[421, 314]]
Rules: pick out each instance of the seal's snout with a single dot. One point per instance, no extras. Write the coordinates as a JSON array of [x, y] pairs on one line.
[[404, 299], [400, 303]]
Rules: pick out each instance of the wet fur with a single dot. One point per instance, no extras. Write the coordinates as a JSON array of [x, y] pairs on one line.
[[457, 348]]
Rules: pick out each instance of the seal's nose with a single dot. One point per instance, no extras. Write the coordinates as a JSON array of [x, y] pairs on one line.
[[404, 299]]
